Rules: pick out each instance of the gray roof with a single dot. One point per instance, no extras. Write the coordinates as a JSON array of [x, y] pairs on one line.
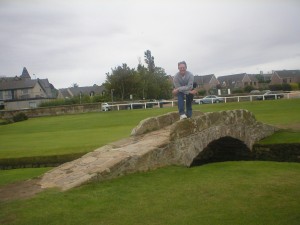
[[205, 79], [230, 78], [13, 83], [75, 91], [253, 77], [287, 73], [25, 74], [25, 82]]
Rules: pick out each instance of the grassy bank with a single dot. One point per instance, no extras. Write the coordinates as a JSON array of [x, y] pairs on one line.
[[220, 193]]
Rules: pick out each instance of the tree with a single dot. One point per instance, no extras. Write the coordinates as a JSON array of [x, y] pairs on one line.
[[149, 60], [122, 81], [149, 82]]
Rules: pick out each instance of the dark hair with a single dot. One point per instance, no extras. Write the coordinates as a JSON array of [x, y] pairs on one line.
[[182, 62]]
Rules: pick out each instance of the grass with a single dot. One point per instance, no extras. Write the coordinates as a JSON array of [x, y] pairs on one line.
[[220, 193], [276, 112], [11, 176], [86, 132], [68, 134], [282, 136]]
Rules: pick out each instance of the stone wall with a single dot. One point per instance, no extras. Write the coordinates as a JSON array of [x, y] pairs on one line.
[[53, 111]]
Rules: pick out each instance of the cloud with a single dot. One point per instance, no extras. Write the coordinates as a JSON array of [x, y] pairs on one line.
[[80, 42]]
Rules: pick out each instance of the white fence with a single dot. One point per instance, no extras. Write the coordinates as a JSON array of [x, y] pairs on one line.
[[172, 103]]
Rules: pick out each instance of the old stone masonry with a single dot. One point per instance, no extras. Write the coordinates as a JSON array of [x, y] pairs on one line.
[[157, 142]]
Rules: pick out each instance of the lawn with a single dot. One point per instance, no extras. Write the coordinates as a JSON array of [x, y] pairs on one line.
[[219, 193], [86, 132]]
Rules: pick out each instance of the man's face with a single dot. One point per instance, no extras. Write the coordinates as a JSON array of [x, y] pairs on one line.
[[182, 69]]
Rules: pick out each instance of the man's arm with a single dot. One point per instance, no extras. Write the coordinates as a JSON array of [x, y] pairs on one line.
[[189, 85]]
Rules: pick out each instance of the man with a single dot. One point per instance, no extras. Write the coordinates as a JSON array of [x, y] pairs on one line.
[[183, 89]]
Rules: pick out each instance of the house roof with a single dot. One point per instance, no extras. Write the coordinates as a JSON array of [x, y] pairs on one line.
[[13, 83], [75, 91], [24, 81], [25, 74], [230, 78], [205, 79], [287, 73], [253, 77], [46, 86]]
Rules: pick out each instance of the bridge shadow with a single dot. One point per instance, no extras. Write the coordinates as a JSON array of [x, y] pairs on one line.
[[223, 149]]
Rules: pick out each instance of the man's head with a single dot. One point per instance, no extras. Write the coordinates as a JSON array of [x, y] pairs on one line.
[[182, 67]]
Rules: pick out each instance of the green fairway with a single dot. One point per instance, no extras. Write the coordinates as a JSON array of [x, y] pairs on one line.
[[68, 134], [219, 193], [277, 112], [85, 132], [11, 176]]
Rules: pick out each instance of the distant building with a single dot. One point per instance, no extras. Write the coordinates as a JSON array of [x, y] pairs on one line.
[[285, 76], [23, 92], [206, 82], [238, 81], [77, 91]]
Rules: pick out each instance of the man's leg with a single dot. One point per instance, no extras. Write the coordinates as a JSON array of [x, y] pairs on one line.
[[189, 101], [180, 97]]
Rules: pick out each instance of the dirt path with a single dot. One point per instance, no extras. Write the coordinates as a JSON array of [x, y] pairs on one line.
[[20, 190]]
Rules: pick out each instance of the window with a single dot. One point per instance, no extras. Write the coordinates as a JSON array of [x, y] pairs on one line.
[[32, 104], [25, 91], [7, 95]]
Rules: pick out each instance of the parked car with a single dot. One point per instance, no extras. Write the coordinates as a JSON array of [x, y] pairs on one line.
[[140, 105], [270, 95], [105, 107], [209, 99], [255, 92]]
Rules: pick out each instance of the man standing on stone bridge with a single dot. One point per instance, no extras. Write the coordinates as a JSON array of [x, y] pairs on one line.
[[183, 89]]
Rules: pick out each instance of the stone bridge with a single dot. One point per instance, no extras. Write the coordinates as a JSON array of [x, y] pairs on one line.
[[157, 142]]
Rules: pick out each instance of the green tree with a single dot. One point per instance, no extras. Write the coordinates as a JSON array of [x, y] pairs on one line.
[[156, 80], [147, 82], [149, 60], [122, 82]]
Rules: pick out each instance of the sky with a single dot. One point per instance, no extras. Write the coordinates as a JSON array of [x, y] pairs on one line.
[[79, 42]]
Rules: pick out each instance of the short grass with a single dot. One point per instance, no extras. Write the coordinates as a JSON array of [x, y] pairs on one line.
[[86, 132], [282, 136], [11, 176], [68, 134], [275, 112], [220, 193]]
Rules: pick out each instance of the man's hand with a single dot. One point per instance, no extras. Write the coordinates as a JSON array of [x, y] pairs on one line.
[[175, 91], [193, 92]]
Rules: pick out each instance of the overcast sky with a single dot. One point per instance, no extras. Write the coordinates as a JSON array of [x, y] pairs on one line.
[[80, 41]]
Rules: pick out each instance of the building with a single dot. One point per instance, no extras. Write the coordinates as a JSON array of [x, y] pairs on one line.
[[23, 92], [80, 91], [285, 76], [206, 82], [238, 81]]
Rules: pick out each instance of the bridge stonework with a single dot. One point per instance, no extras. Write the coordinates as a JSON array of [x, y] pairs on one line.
[[157, 142], [190, 137]]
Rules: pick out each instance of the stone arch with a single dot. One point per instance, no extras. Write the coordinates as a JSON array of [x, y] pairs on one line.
[[223, 149], [190, 137]]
